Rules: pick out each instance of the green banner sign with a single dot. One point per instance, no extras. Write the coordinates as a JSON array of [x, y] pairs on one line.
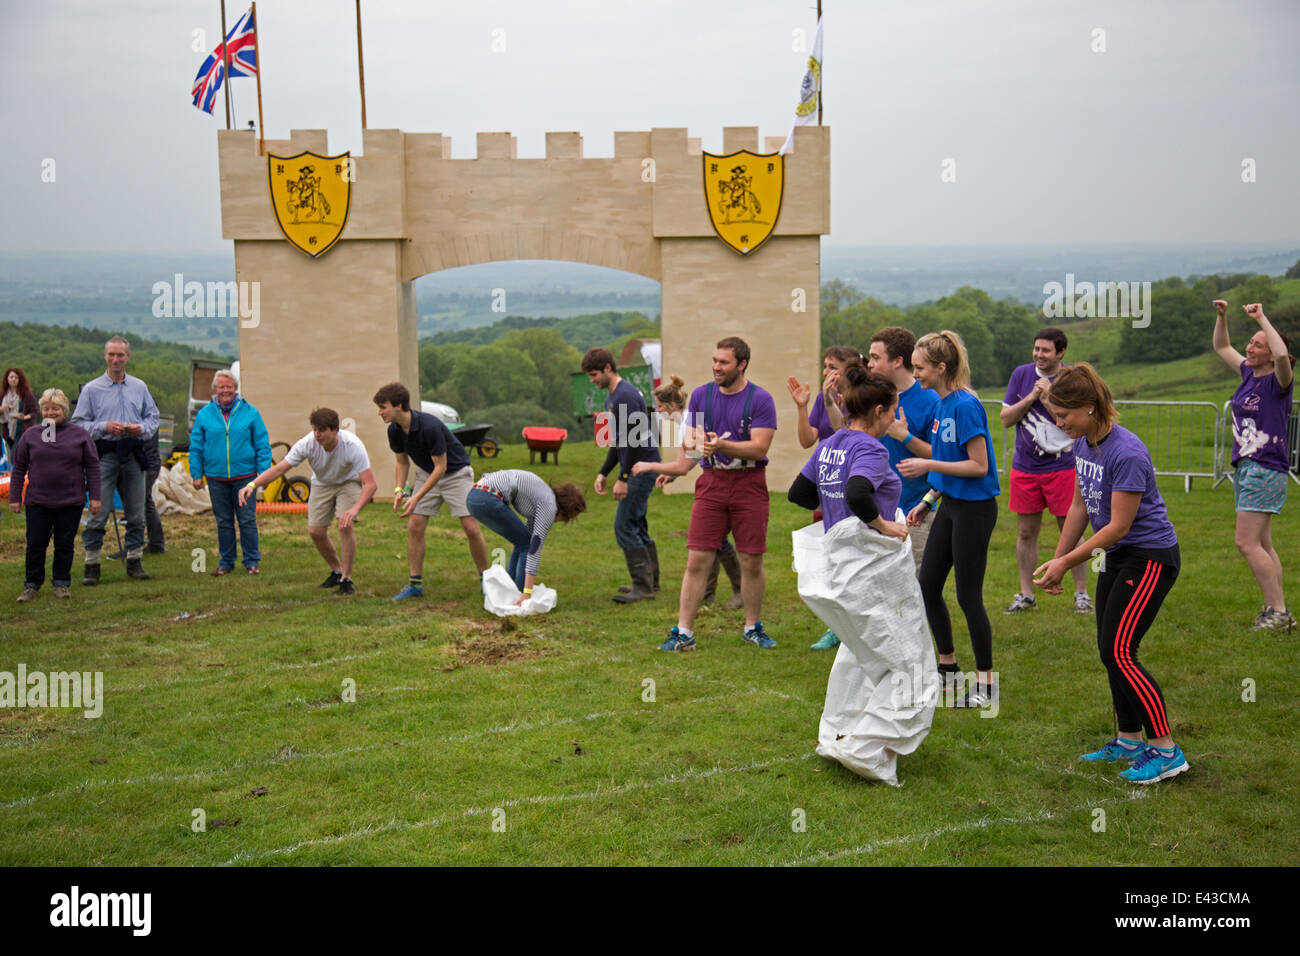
[[588, 399]]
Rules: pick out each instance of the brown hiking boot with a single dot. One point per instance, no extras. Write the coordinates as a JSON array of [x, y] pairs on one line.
[[134, 569]]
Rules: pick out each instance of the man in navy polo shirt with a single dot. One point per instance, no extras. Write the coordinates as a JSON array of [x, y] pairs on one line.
[[442, 473], [632, 439]]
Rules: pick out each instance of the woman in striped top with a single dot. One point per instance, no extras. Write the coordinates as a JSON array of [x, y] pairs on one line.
[[496, 497]]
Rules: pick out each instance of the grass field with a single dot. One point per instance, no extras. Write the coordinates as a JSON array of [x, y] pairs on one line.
[[473, 740]]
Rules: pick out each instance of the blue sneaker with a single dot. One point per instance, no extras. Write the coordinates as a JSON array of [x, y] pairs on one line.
[[756, 635], [677, 641], [826, 642], [408, 592], [1154, 766], [1114, 750]]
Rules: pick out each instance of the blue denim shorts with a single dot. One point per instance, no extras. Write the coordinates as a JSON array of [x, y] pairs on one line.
[[1258, 488]]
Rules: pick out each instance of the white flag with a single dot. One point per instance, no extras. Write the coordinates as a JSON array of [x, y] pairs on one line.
[[810, 91]]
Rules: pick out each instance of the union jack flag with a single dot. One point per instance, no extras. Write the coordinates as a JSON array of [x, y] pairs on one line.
[[241, 42]]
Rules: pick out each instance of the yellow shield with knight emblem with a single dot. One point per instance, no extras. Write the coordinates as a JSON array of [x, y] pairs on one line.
[[743, 191], [311, 195]]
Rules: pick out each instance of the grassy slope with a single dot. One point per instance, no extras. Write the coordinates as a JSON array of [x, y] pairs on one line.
[[457, 715], [1197, 378]]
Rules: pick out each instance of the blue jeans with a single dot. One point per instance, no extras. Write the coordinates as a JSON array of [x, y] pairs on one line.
[[491, 512], [630, 528], [226, 508], [125, 475]]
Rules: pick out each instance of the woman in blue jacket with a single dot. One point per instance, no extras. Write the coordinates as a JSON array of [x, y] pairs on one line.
[[229, 446]]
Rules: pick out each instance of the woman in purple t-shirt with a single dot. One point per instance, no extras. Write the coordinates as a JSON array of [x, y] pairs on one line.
[[1260, 409], [1116, 493], [825, 415], [849, 473]]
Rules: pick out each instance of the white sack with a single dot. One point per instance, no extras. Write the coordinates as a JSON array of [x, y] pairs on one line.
[[500, 595], [174, 492], [879, 703]]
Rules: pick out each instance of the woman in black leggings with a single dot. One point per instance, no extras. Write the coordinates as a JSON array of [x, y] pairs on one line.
[[1116, 493], [962, 473]]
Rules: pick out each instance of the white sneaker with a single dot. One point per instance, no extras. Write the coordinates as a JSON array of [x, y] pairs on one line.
[[1082, 603], [1023, 602]]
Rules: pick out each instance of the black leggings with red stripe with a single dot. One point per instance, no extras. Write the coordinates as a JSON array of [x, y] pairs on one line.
[[1130, 590]]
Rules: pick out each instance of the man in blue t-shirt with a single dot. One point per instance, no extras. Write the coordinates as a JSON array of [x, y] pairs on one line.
[[631, 439], [442, 473], [890, 355]]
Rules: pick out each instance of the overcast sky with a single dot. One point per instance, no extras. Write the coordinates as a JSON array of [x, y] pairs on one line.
[[1052, 142]]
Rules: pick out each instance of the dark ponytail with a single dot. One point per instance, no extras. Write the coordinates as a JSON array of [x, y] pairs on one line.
[[862, 391]]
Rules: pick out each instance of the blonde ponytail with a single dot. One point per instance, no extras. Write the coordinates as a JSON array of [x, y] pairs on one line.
[[948, 349]]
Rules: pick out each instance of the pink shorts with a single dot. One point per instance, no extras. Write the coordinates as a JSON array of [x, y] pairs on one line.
[[1032, 492], [730, 500]]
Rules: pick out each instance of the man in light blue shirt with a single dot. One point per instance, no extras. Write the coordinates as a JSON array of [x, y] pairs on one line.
[[121, 416]]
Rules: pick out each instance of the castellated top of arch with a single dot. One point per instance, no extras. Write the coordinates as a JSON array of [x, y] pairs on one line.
[[606, 211]]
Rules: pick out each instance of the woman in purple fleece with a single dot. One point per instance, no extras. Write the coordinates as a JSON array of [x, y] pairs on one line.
[[59, 460]]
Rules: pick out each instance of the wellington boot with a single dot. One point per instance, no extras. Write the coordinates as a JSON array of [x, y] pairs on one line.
[[654, 562], [638, 565], [731, 564], [711, 584]]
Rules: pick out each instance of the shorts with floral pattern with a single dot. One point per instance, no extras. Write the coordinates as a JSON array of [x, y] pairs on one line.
[[1259, 488]]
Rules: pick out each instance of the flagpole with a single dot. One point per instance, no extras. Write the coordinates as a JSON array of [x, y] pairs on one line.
[[257, 46], [821, 80], [361, 67], [225, 60]]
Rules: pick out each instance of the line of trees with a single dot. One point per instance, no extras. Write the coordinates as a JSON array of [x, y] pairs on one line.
[[518, 372], [66, 357]]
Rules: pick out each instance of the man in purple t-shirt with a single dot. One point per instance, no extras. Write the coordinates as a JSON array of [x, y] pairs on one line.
[[739, 421], [1042, 467]]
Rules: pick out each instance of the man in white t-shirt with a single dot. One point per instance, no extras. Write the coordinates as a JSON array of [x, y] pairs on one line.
[[341, 481]]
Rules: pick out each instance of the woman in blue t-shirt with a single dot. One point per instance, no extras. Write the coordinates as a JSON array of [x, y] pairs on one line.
[[1261, 407], [962, 472], [1116, 493]]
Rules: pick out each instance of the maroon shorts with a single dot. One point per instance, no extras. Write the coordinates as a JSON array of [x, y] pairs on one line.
[[1031, 492], [733, 500]]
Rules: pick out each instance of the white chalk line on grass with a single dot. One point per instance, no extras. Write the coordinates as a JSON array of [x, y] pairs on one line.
[[234, 671], [290, 754], [54, 734], [984, 823], [397, 826]]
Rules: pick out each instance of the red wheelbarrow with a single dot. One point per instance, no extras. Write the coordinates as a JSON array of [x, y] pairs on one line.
[[544, 439]]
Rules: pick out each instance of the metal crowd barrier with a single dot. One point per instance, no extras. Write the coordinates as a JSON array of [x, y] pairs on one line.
[[1224, 458], [1186, 439]]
